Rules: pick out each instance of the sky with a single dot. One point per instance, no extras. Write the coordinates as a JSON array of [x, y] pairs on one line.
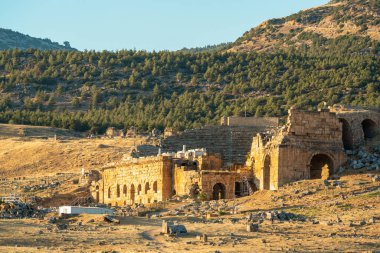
[[142, 24]]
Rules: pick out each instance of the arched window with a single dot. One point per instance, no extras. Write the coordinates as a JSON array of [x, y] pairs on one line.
[[132, 195], [147, 187], [97, 193], [125, 191], [139, 189], [155, 186], [109, 192], [118, 190]]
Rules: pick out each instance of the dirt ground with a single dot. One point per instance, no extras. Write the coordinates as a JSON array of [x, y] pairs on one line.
[[356, 201], [345, 218]]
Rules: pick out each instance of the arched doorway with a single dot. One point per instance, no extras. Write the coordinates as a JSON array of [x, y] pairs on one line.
[[369, 128], [97, 193], [321, 167], [147, 187], [238, 190], [266, 173], [132, 195], [347, 138], [218, 191]]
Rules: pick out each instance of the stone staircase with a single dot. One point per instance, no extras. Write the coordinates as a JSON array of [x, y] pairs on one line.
[[233, 143]]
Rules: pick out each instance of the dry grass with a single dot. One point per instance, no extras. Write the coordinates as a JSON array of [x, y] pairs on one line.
[[36, 157], [40, 154]]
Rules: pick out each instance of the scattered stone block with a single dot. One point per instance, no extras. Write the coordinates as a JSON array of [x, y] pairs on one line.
[[111, 219], [168, 228], [253, 227]]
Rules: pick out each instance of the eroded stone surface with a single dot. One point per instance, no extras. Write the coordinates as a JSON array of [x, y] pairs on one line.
[[311, 145]]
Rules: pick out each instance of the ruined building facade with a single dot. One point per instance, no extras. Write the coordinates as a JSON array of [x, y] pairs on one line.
[[310, 146], [153, 179], [240, 156]]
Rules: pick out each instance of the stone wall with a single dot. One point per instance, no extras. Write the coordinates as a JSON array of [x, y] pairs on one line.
[[185, 179], [154, 179], [264, 153], [142, 180], [209, 179], [294, 153]]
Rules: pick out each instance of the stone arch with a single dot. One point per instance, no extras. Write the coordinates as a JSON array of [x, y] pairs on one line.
[[219, 191], [97, 197], [132, 194], [369, 128], [118, 191], [109, 192], [347, 137], [146, 187], [125, 190], [266, 172], [139, 189], [321, 166], [155, 188]]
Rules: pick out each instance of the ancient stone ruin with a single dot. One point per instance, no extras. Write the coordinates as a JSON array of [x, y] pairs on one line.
[[240, 156]]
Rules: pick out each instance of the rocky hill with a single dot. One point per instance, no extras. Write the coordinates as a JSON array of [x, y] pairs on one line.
[[10, 39], [336, 19]]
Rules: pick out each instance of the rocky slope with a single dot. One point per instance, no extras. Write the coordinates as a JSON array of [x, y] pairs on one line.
[[10, 39], [335, 19]]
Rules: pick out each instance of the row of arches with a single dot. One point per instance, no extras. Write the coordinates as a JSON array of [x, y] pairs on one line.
[[369, 128], [122, 191]]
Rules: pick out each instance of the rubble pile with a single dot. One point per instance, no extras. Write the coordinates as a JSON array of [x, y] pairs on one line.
[[359, 159], [275, 215], [131, 210], [17, 210], [28, 188], [203, 208]]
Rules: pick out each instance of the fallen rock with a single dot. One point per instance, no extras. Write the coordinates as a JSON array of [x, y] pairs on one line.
[[253, 227]]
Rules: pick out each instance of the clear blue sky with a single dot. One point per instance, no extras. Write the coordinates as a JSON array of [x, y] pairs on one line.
[[142, 24]]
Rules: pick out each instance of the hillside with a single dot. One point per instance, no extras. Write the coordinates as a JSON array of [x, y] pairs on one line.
[[90, 91], [333, 20], [33, 151], [10, 39], [93, 90]]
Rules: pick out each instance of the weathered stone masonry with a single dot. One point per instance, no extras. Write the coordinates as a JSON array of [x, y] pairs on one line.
[[154, 179], [241, 157], [310, 146], [141, 180]]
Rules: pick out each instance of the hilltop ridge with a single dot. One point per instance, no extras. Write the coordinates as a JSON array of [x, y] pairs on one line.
[[10, 39], [330, 21]]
